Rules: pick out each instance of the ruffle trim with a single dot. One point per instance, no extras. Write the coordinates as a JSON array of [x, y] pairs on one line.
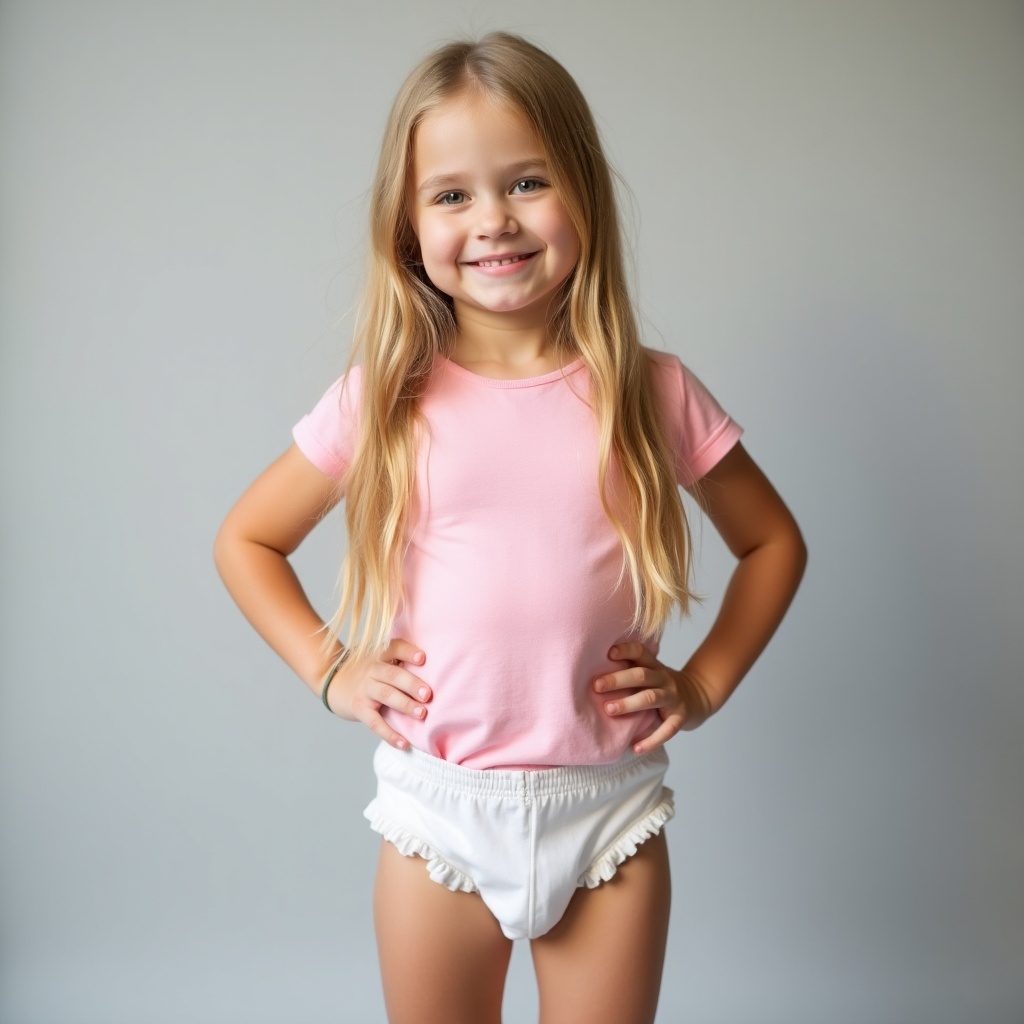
[[605, 866], [410, 845]]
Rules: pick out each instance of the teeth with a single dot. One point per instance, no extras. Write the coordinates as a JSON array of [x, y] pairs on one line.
[[502, 262]]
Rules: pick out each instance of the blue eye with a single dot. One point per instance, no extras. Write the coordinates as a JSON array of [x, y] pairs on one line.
[[451, 198], [527, 186]]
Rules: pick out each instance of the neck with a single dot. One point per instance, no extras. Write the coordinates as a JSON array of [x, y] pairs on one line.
[[503, 345]]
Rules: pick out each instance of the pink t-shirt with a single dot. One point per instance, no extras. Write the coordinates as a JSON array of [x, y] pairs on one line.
[[512, 566]]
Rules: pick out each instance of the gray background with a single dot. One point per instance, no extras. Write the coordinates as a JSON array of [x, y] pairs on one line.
[[828, 210]]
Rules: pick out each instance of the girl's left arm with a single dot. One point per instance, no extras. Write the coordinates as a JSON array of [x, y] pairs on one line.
[[763, 535]]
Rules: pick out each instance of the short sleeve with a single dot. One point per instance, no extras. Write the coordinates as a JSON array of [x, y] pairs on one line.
[[699, 429], [327, 435]]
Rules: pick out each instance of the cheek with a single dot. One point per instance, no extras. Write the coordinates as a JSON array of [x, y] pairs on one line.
[[438, 243], [559, 231], [563, 236]]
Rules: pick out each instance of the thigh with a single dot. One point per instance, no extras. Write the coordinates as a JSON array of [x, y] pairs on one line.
[[443, 956], [602, 963]]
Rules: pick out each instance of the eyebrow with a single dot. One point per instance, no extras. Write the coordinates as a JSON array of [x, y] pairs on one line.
[[439, 182]]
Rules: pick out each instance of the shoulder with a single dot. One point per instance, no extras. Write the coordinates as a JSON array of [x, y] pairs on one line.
[[674, 381], [662, 364], [668, 376], [658, 359], [699, 429], [349, 385], [326, 435], [341, 401]]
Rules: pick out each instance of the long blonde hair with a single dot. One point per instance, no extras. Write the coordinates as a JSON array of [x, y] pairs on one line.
[[406, 322]]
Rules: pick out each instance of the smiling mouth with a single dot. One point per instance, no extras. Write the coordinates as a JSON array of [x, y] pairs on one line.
[[503, 261]]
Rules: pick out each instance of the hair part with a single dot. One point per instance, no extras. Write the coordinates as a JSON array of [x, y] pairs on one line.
[[405, 322]]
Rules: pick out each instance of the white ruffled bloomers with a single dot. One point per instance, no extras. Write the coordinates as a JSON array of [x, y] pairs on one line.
[[524, 840], [626, 845], [601, 870]]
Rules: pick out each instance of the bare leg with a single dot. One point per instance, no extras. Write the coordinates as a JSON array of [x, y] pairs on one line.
[[602, 963], [443, 956]]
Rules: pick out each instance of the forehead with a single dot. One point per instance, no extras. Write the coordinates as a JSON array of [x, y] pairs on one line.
[[469, 130]]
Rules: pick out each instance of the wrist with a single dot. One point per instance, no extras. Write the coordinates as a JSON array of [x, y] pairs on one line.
[[698, 697], [328, 678]]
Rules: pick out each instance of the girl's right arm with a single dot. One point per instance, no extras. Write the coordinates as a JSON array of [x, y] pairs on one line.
[[251, 552]]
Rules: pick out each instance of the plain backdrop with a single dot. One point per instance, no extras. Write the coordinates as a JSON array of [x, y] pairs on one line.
[[826, 202]]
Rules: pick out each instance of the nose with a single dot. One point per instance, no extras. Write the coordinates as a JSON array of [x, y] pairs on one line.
[[494, 218]]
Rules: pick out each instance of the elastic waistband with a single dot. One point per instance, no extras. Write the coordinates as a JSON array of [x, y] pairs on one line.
[[499, 782]]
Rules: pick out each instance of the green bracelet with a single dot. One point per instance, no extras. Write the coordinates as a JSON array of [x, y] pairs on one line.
[[330, 675]]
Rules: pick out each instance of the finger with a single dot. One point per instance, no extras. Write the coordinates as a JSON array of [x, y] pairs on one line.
[[660, 736], [374, 721], [644, 700], [398, 700], [402, 650], [402, 679], [633, 650], [623, 679]]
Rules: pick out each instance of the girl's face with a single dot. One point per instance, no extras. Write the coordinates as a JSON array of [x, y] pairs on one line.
[[492, 232]]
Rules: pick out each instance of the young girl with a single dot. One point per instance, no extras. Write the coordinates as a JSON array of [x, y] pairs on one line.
[[510, 458]]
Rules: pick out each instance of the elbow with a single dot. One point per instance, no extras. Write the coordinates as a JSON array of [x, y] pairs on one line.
[[218, 554], [798, 552], [222, 544]]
